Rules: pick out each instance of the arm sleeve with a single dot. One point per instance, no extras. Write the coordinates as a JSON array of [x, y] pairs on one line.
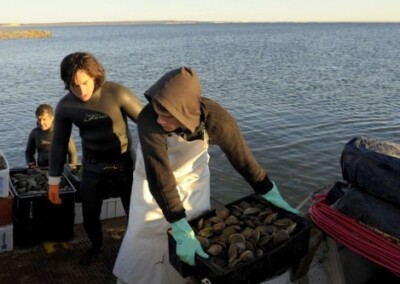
[[225, 132], [131, 104], [72, 153], [30, 149], [159, 174], [59, 144]]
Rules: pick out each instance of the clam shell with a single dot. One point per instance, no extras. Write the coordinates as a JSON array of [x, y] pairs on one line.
[[218, 227], [283, 223], [232, 220], [290, 229], [280, 236], [251, 210], [236, 238], [215, 219], [246, 256], [248, 232], [232, 253], [222, 212], [214, 249], [206, 232], [270, 218], [204, 242]]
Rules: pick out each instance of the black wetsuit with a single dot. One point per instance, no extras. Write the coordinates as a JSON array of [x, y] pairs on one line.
[[39, 142], [106, 148]]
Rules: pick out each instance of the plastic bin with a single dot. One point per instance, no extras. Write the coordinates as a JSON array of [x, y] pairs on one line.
[[111, 208], [6, 204], [272, 263], [4, 176], [37, 220], [73, 173], [6, 238]]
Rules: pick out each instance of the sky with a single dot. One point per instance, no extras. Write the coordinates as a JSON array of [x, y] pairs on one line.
[[53, 11]]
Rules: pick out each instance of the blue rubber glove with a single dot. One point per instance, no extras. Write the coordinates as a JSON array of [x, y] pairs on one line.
[[275, 198], [186, 243]]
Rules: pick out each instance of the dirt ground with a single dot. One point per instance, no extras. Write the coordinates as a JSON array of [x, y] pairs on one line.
[[58, 263]]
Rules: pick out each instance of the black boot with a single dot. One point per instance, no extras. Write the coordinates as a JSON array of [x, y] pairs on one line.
[[89, 256]]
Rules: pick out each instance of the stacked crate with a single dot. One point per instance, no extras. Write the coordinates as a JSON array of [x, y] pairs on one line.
[[35, 218], [6, 202]]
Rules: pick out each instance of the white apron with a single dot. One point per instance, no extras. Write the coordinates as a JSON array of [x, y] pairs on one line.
[[143, 256]]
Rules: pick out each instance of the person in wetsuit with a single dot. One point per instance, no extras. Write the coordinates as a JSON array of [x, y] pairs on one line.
[[172, 179], [100, 110], [40, 138]]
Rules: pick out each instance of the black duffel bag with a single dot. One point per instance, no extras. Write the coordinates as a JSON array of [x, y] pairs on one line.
[[373, 166], [366, 208]]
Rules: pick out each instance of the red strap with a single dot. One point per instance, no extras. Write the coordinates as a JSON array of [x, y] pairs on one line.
[[355, 236]]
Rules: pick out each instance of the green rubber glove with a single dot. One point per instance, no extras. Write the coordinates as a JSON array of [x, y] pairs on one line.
[[275, 198], [186, 243]]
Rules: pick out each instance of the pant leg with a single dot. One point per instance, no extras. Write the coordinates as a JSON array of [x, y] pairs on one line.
[[123, 182], [91, 197]]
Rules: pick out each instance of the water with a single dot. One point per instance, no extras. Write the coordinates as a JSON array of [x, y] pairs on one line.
[[298, 91]]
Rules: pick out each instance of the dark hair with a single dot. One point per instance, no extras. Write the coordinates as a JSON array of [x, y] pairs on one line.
[[84, 61], [44, 108]]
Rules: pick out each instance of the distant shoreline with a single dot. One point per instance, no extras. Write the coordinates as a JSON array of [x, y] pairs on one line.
[[167, 22], [20, 31], [19, 34], [6, 25]]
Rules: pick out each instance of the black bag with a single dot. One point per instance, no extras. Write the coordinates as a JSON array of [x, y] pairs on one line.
[[366, 208], [373, 166]]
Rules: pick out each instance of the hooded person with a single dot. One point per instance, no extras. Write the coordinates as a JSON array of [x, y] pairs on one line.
[[172, 178]]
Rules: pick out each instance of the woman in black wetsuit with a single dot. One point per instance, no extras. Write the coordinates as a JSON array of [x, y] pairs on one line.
[[100, 109]]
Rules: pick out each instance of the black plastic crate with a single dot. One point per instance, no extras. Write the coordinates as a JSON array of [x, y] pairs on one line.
[[36, 219], [28, 223], [270, 264], [73, 173]]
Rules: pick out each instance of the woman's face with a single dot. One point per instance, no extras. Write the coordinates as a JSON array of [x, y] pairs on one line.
[[82, 86]]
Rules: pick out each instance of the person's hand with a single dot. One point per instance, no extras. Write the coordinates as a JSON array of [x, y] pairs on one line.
[[32, 165], [275, 198], [54, 194], [186, 243]]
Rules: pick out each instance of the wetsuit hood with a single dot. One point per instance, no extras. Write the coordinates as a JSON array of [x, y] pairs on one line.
[[178, 91]]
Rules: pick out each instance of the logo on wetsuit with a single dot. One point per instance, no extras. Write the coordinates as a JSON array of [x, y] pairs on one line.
[[45, 142], [94, 116]]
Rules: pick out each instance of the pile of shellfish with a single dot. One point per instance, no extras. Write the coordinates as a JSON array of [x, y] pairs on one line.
[[33, 181], [3, 163], [242, 232], [76, 170]]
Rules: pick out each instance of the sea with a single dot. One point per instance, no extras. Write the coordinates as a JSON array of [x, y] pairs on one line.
[[299, 91]]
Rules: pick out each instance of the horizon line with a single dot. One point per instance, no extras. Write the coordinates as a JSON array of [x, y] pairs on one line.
[[192, 22]]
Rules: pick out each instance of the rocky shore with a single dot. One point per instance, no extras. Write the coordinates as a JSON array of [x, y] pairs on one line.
[[13, 34]]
